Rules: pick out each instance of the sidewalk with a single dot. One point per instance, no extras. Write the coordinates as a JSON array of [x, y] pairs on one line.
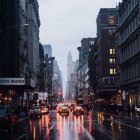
[[120, 114], [126, 115]]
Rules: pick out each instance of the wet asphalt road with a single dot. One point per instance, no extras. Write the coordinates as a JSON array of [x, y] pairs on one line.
[[91, 126]]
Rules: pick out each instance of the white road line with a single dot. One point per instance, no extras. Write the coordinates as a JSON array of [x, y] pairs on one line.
[[21, 136], [52, 127], [88, 134], [45, 136], [23, 119], [127, 125]]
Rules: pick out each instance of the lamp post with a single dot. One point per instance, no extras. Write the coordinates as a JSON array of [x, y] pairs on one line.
[[12, 27]]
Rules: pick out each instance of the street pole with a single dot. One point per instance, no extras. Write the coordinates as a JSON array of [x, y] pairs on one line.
[[12, 27]]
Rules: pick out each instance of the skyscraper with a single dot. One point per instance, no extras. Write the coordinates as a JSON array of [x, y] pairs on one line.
[[69, 72], [47, 49]]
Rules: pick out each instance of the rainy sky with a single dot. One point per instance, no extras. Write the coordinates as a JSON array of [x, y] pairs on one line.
[[65, 22]]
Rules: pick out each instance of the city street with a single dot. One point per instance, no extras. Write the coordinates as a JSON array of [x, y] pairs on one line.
[[91, 126]]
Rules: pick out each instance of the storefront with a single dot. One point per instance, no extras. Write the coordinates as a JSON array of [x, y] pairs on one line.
[[14, 91]]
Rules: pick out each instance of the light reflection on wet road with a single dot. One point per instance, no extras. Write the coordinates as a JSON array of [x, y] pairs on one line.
[[57, 127], [91, 126], [84, 127]]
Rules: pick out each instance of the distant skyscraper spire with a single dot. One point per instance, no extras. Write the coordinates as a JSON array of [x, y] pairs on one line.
[[69, 58], [69, 71]]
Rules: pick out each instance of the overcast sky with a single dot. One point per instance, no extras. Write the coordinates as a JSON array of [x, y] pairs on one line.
[[65, 22]]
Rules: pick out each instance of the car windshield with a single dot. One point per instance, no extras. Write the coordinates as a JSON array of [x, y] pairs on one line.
[[36, 107], [78, 107], [64, 106]]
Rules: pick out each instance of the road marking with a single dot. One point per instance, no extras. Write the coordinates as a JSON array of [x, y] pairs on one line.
[[88, 134], [23, 119], [45, 136], [126, 125], [21, 136], [52, 127]]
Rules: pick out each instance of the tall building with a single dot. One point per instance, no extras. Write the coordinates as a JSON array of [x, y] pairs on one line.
[[41, 76], [47, 50], [69, 72], [33, 39], [83, 70], [92, 64], [73, 81], [106, 54], [19, 48], [14, 71], [13, 38], [57, 83], [128, 45]]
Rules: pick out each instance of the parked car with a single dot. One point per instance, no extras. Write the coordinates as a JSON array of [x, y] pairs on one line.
[[8, 120], [64, 110], [44, 110], [78, 110]]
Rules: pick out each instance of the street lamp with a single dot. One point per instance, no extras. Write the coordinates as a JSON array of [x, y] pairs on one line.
[[12, 27]]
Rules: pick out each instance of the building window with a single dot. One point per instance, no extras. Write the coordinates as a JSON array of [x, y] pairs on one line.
[[112, 51], [112, 71], [111, 61], [111, 20]]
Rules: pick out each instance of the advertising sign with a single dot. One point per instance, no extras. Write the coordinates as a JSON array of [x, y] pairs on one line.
[[12, 81]]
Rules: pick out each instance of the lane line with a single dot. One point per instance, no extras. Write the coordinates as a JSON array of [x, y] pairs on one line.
[[126, 125], [88, 134], [21, 136], [52, 127], [22, 119], [45, 136]]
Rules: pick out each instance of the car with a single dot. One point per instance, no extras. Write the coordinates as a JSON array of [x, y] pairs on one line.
[[72, 107], [8, 120], [31, 112], [78, 110], [59, 106], [64, 110], [37, 111], [44, 110]]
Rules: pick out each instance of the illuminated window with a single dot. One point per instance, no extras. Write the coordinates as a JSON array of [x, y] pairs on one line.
[[111, 61], [113, 71], [112, 51], [111, 20]]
